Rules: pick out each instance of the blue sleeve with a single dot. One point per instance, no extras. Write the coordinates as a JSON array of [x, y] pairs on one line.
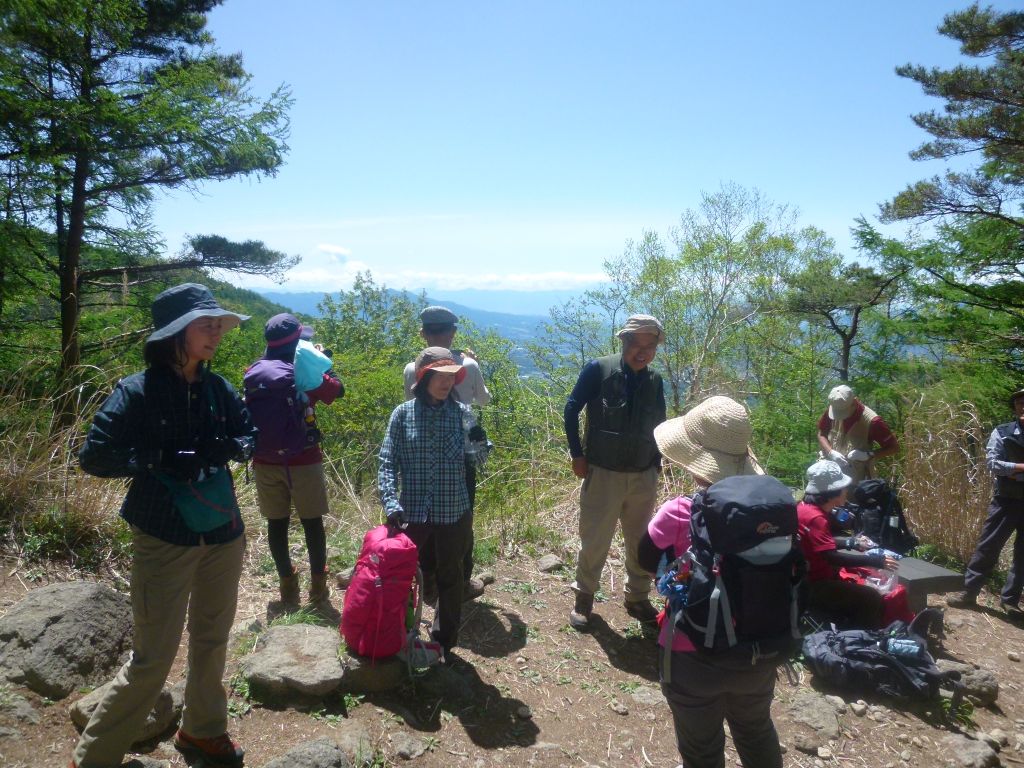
[[387, 474], [587, 387]]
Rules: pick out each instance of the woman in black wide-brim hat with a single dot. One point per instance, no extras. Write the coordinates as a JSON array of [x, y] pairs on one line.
[[171, 430]]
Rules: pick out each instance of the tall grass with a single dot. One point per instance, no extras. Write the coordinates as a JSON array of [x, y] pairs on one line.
[[946, 485], [50, 510]]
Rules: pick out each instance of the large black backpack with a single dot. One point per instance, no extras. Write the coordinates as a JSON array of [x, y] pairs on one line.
[[861, 660], [880, 516], [745, 568]]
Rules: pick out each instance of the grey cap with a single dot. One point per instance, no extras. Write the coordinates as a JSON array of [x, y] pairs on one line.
[[438, 316], [642, 324], [1015, 395]]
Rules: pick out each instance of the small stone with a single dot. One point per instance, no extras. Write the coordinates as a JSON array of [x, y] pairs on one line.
[[837, 703], [1000, 735], [486, 577], [890, 765], [1013, 656], [344, 578], [903, 737], [520, 660], [618, 707], [905, 755], [550, 563], [783, 748], [818, 763], [524, 713], [917, 742], [824, 753], [859, 708], [989, 739]]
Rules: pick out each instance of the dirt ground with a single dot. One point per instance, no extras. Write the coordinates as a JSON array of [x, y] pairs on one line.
[[545, 695]]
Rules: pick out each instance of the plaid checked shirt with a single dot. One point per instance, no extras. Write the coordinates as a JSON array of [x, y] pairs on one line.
[[153, 411], [423, 454]]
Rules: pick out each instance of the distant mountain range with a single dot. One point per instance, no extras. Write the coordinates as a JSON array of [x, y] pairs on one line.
[[514, 326]]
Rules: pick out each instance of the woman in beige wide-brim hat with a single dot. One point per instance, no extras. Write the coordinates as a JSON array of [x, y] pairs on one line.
[[711, 442]]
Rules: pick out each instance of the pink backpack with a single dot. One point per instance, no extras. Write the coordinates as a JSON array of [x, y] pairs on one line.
[[373, 621]]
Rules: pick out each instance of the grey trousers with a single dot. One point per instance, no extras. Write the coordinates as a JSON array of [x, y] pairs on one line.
[[703, 692]]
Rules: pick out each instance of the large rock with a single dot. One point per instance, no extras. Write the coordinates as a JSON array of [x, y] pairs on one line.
[[818, 716], [321, 753], [164, 714], [960, 752], [980, 685], [366, 675], [65, 636], [294, 662]]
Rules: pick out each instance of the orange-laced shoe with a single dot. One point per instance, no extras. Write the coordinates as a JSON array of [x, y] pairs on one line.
[[216, 751]]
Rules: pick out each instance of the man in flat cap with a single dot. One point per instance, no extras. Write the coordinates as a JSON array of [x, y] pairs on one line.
[[618, 462], [1005, 457], [853, 435], [437, 329]]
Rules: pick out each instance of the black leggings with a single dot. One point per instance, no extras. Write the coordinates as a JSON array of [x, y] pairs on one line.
[[316, 544]]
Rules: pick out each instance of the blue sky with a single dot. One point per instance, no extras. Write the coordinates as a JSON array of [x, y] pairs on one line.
[[516, 145]]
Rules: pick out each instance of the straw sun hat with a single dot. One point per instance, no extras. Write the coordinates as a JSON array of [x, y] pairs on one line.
[[712, 441]]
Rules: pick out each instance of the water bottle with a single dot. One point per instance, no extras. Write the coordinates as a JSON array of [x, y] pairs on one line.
[[902, 646]]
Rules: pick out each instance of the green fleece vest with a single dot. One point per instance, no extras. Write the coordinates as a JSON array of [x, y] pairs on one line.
[[620, 430]]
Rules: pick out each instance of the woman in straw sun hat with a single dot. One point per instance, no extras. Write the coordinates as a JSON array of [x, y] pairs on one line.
[[711, 442]]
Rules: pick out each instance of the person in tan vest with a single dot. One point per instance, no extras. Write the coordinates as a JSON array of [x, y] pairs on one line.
[[853, 435]]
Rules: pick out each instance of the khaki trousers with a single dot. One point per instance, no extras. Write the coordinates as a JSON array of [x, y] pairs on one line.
[[607, 497], [164, 576]]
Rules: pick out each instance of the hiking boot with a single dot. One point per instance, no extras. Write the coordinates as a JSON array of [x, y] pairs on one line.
[[965, 599], [642, 611], [290, 595], [319, 591], [216, 751], [1012, 609], [579, 617], [472, 589]]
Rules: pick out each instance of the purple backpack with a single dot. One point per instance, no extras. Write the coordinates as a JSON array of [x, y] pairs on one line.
[[277, 411]]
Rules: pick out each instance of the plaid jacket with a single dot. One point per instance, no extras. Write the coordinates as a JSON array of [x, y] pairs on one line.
[[423, 454], [153, 412]]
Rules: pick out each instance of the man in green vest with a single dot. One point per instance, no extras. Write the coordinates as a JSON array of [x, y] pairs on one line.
[[617, 461], [854, 436]]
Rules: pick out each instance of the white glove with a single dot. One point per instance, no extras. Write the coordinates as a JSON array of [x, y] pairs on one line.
[[858, 455], [837, 457]]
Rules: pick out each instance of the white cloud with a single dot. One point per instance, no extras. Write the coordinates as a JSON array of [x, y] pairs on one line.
[[334, 250], [517, 281]]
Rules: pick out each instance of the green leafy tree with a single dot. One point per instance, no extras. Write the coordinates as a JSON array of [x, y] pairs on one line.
[[971, 267], [103, 103]]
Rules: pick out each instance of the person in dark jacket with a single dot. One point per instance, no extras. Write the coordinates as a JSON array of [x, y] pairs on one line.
[[618, 462], [1005, 454], [171, 430]]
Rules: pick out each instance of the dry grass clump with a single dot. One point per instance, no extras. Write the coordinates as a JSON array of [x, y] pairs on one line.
[[946, 485], [49, 509]]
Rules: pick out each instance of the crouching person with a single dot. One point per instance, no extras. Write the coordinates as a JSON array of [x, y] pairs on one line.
[[847, 603], [171, 431], [711, 442]]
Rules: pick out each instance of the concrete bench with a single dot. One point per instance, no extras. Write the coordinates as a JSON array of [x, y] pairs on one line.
[[921, 578]]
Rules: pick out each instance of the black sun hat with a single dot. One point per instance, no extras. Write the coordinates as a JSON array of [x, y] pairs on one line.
[[176, 307]]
